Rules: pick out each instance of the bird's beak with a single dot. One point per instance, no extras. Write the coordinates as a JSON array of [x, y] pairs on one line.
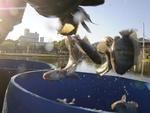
[[67, 28]]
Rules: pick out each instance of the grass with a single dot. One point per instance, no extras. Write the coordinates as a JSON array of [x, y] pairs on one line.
[[49, 58], [30, 54]]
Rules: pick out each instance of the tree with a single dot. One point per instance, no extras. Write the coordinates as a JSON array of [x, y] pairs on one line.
[[8, 46]]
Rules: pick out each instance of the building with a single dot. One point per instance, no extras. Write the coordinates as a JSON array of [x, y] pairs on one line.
[[146, 47], [41, 39], [29, 37]]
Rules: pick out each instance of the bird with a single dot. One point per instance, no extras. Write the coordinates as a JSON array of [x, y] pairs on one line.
[[121, 53], [78, 48], [111, 48], [104, 47], [125, 51], [75, 57], [67, 11]]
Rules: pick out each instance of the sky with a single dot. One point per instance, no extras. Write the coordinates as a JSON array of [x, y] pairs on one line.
[[109, 18]]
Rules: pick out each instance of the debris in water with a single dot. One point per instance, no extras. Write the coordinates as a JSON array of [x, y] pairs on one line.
[[65, 101]]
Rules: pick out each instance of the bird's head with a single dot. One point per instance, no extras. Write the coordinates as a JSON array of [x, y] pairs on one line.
[[71, 21]]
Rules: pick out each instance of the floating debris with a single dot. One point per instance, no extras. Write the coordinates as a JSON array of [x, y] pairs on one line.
[[65, 101], [123, 106]]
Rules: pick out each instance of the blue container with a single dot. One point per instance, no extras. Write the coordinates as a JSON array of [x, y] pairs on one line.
[[29, 93], [10, 67]]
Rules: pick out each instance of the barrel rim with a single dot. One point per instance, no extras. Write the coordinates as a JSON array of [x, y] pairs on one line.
[[45, 99]]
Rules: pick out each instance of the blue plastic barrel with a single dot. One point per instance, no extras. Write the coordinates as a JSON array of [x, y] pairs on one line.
[[10, 67], [29, 93]]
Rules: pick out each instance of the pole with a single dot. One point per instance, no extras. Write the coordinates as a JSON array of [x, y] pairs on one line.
[[143, 50]]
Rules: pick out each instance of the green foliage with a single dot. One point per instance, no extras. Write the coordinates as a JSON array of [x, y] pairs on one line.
[[60, 47], [8, 45], [11, 46]]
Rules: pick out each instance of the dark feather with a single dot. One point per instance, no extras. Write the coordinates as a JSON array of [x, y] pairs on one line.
[[85, 26]]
